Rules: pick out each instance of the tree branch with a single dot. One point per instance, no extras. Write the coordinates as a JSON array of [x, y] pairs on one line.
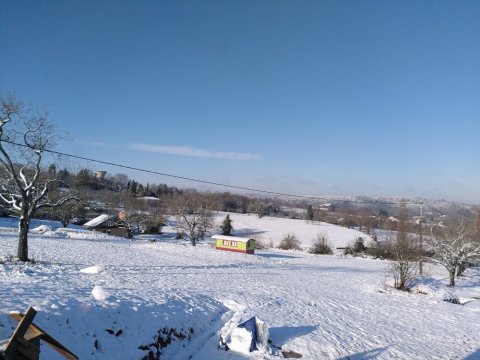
[[13, 202], [58, 203]]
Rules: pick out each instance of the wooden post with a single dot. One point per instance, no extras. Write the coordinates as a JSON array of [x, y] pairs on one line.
[[24, 344], [18, 348]]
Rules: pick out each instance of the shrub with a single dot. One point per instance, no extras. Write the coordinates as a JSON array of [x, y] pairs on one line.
[[260, 244], [321, 246], [289, 242], [404, 272], [452, 298], [359, 246], [153, 227], [405, 263], [379, 251]]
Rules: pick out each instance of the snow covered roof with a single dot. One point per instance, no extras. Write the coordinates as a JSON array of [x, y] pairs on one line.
[[232, 238], [97, 221], [149, 198]]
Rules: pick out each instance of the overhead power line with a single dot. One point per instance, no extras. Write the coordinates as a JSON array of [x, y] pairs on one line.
[[169, 175], [262, 191]]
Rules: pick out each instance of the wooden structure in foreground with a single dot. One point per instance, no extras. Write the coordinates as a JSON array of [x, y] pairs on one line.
[[24, 344]]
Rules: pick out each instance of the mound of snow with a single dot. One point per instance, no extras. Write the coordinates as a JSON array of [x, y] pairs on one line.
[[91, 270], [99, 293], [240, 340], [42, 229]]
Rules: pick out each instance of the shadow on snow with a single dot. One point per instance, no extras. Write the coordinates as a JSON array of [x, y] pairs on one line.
[[283, 334]]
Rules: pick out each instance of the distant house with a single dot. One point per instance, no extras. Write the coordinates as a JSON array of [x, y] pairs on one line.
[[109, 224], [150, 200], [234, 243]]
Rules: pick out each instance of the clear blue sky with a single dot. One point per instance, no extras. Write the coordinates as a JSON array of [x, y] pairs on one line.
[[306, 97]]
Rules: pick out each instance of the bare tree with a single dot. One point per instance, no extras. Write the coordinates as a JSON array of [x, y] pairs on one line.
[[25, 187], [120, 181], [477, 226], [404, 252], [454, 247], [289, 242], [404, 266], [67, 212], [309, 214], [420, 240], [257, 207], [194, 218]]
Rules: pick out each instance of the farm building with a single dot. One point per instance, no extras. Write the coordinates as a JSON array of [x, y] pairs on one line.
[[150, 200], [234, 243], [107, 224]]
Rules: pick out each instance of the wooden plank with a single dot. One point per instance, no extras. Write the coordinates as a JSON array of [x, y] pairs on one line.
[[10, 349], [35, 331], [24, 323], [29, 350]]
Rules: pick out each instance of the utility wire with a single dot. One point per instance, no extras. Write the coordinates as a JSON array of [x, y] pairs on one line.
[[199, 180], [167, 175]]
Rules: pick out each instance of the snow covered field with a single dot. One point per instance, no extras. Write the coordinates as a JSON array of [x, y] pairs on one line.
[[111, 298], [271, 229]]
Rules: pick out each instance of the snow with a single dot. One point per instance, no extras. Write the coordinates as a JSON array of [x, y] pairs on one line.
[[112, 298], [149, 198], [97, 221], [99, 293], [240, 341], [233, 238], [91, 270], [271, 229], [41, 229]]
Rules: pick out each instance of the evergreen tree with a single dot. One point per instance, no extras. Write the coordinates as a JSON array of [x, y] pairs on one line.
[[227, 226], [359, 246], [65, 178], [133, 187], [140, 190]]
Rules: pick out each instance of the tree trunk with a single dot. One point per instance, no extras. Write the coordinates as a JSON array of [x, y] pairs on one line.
[[451, 276], [23, 226], [193, 240], [460, 269]]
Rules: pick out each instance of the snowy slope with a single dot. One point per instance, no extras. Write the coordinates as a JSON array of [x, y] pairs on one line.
[[104, 297], [274, 229]]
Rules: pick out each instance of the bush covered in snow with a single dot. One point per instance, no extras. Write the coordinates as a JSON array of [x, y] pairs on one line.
[[320, 246], [452, 298], [289, 242], [261, 243]]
